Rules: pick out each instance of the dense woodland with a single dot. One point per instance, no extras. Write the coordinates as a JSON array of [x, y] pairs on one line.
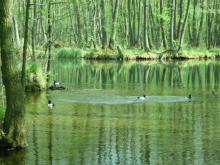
[[148, 24], [41, 25]]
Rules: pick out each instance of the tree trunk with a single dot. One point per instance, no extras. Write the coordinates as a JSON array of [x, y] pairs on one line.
[[162, 26], [184, 25], [134, 23], [34, 30], [25, 42], [131, 35], [200, 24], [139, 23], [79, 23], [16, 33], [194, 29], [180, 11], [103, 24], [114, 18], [146, 43], [172, 8], [14, 124], [49, 43]]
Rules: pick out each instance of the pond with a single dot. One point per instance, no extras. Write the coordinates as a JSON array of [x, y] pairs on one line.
[[98, 119]]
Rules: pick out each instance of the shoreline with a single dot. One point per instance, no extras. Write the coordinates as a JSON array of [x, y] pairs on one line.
[[134, 54]]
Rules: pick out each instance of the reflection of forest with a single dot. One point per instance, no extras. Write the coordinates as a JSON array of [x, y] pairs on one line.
[[128, 134], [172, 74]]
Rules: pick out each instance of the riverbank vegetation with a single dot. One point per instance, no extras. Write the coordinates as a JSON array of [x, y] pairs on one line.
[[95, 29], [105, 29]]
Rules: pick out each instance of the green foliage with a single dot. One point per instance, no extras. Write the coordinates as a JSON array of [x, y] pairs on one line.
[[197, 52], [40, 54], [70, 53], [35, 74], [133, 52], [216, 51], [2, 111]]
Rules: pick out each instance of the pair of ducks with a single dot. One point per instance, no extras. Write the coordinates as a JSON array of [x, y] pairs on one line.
[[189, 97], [146, 97]]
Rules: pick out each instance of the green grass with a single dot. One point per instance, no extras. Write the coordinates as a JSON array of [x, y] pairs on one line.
[[40, 54], [35, 74], [198, 52], [69, 53], [215, 50], [133, 53], [2, 111]]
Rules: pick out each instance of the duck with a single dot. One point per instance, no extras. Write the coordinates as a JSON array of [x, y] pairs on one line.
[[142, 97], [56, 86], [56, 83], [189, 97], [213, 93], [50, 104]]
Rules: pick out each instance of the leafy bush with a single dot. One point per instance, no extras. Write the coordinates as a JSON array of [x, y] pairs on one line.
[[2, 111], [69, 53], [35, 74]]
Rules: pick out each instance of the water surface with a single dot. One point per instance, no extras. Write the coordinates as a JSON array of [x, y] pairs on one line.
[[99, 120]]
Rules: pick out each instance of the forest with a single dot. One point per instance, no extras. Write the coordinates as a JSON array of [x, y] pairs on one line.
[[44, 29], [191, 26]]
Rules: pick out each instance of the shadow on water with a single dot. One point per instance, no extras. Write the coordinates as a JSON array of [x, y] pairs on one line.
[[99, 120]]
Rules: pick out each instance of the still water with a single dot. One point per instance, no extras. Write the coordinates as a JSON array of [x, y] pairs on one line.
[[99, 120]]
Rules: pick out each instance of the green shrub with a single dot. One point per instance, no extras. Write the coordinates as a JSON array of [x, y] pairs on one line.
[[35, 74], [69, 53], [2, 111], [40, 54]]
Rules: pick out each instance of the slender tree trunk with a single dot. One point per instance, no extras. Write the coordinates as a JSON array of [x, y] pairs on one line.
[[172, 7], [174, 21], [94, 25], [139, 22], [130, 24], [14, 124], [25, 42], [34, 30], [184, 25], [16, 32], [180, 18], [49, 43], [217, 27], [200, 24], [103, 24], [134, 23], [146, 43], [162, 26], [194, 29], [114, 18], [79, 23], [44, 36]]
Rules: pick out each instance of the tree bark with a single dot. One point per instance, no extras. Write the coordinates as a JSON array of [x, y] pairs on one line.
[[131, 35], [172, 8], [34, 31], [184, 25], [200, 24], [16, 32], [146, 43], [114, 18], [49, 43], [194, 29], [14, 124], [162, 26], [103, 24], [25, 42]]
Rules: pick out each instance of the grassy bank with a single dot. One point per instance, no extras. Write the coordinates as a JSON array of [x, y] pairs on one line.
[[137, 54]]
